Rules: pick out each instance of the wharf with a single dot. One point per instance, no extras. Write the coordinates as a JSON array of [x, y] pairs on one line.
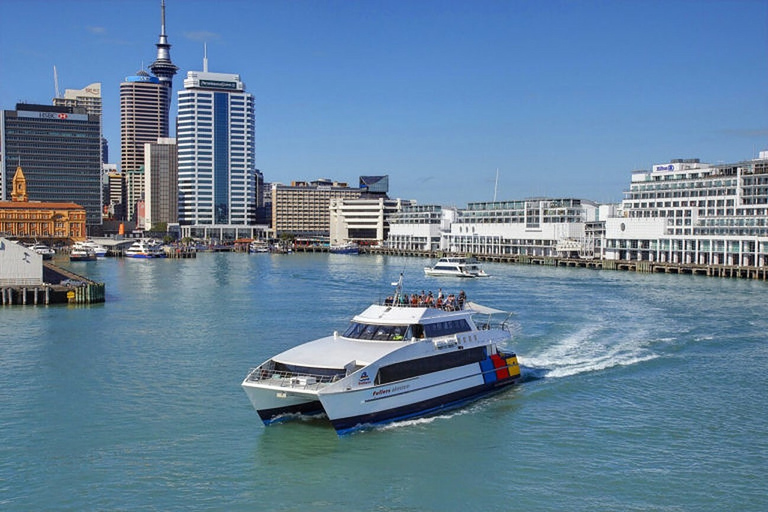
[[732, 271], [59, 286]]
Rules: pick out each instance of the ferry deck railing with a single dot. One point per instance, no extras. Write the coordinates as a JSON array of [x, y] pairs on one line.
[[287, 379]]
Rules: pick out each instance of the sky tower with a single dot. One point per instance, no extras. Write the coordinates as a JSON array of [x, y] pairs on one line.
[[163, 68]]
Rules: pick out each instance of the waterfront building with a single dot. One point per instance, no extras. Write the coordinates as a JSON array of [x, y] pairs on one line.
[[60, 150], [216, 143], [302, 208], [420, 227], [19, 265], [690, 212], [364, 221], [534, 227], [49, 221], [161, 169]]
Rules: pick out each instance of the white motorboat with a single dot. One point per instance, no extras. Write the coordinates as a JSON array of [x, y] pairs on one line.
[[456, 266], [258, 246], [82, 254], [145, 248], [395, 361], [43, 250], [99, 250]]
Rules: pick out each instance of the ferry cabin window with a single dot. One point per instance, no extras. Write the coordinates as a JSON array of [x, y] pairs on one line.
[[416, 367], [377, 332], [446, 328]]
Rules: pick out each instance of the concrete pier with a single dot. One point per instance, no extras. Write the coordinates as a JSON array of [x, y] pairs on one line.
[[730, 271]]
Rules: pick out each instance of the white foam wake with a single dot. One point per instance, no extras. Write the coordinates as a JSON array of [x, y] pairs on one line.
[[585, 351]]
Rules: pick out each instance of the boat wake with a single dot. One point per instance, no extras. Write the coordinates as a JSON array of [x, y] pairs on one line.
[[424, 420], [584, 351]]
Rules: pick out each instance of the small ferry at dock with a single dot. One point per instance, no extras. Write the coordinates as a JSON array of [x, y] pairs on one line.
[[395, 361], [145, 248], [97, 249], [344, 248], [82, 254]]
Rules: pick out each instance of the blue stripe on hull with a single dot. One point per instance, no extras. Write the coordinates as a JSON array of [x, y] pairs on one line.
[[425, 408], [279, 414]]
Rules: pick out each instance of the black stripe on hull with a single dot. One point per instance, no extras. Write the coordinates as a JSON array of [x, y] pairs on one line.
[[424, 408], [279, 414]]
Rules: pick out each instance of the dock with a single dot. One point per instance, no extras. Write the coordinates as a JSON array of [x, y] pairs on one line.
[[729, 271], [59, 286]]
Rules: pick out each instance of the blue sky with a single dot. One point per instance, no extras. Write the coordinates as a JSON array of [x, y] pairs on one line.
[[564, 98]]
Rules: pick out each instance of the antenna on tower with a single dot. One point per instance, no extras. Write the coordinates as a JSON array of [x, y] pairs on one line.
[[205, 57], [496, 185], [56, 82]]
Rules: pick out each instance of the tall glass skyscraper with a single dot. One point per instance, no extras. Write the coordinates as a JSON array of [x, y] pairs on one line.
[[215, 132]]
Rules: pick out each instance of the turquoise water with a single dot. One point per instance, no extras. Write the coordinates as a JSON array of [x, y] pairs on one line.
[[642, 392]]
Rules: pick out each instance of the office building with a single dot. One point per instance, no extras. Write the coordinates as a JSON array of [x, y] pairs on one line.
[[60, 151], [364, 221], [303, 208], [143, 119], [89, 98], [161, 168], [145, 103], [375, 185], [216, 145]]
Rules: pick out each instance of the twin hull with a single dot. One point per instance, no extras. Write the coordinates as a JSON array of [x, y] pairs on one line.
[[350, 407]]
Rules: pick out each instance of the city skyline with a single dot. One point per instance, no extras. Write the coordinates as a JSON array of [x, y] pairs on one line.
[[565, 99]]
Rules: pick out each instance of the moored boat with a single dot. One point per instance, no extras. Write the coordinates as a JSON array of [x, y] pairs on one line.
[[99, 250], [145, 248], [395, 361], [82, 254], [456, 266], [258, 247], [345, 248], [43, 250]]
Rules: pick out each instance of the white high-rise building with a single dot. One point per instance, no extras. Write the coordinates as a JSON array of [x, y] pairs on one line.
[[216, 144], [89, 97]]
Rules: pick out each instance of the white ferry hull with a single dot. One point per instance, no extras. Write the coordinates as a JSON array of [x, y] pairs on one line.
[[275, 404], [420, 396], [447, 273]]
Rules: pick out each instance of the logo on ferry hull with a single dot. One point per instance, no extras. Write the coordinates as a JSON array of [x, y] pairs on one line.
[[364, 378]]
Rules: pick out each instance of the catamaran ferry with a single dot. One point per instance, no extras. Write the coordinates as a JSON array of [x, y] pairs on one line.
[[395, 361]]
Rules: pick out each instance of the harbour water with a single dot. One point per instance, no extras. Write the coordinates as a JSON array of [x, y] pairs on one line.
[[642, 392]]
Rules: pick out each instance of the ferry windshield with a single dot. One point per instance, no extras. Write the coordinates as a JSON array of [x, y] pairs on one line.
[[377, 332]]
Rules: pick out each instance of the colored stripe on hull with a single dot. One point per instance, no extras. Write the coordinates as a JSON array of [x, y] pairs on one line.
[[424, 408]]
